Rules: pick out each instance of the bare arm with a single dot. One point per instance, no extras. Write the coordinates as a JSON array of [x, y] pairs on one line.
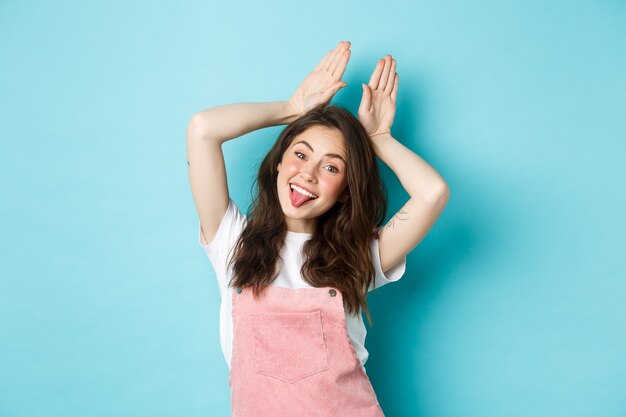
[[428, 192], [229, 121], [206, 133]]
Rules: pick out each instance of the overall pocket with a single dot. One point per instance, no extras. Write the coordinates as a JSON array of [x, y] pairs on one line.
[[289, 346]]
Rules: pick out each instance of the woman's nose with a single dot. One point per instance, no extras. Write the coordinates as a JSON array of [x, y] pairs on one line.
[[308, 174]]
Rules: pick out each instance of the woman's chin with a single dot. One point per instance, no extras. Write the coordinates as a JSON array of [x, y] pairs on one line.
[[303, 211]]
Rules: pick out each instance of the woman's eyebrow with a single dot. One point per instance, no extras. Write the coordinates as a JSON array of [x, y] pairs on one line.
[[332, 155]]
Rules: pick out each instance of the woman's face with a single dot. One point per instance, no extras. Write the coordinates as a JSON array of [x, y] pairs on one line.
[[315, 161]]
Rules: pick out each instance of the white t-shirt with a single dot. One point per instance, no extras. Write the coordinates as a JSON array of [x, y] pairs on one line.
[[231, 226]]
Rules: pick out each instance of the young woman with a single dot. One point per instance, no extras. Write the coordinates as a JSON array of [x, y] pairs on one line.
[[295, 271]]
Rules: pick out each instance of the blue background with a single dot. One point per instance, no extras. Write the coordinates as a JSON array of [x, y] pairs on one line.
[[512, 306]]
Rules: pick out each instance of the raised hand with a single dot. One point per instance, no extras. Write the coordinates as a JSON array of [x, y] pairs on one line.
[[378, 103], [324, 81]]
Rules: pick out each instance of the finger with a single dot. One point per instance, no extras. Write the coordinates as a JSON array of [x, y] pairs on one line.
[[333, 55], [323, 62], [392, 76], [394, 91], [329, 93], [375, 78], [339, 56], [385, 74], [366, 99], [341, 66]]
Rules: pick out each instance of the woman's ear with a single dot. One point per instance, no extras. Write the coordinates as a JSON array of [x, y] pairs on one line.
[[345, 197], [278, 167]]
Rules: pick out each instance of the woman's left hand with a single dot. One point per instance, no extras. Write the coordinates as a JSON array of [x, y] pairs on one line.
[[378, 104], [324, 81]]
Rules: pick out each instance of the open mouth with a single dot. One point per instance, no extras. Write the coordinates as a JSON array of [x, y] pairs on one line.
[[300, 196]]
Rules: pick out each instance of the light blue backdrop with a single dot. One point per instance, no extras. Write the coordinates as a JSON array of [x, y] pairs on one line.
[[512, 306]]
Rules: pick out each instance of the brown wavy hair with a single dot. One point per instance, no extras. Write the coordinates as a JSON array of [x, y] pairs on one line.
[[338, 252]]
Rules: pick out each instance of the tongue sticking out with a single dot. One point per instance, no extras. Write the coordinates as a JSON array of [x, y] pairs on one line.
[[298, 199]]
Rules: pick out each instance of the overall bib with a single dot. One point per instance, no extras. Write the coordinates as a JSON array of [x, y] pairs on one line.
[[292, 357]]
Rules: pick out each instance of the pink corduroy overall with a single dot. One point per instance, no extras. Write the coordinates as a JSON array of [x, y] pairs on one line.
[[292, 357]]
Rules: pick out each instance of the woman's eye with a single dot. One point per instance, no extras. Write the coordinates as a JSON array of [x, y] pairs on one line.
[[298, 153], [335, 169]]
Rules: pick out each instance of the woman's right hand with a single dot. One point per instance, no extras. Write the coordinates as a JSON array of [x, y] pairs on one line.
[[323, 82]]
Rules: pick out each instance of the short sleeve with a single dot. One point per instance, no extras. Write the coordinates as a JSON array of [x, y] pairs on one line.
[[218, 250], [392, 275]]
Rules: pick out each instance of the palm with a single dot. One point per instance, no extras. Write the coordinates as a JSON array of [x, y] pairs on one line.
[[378, 104], [324, 81]]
